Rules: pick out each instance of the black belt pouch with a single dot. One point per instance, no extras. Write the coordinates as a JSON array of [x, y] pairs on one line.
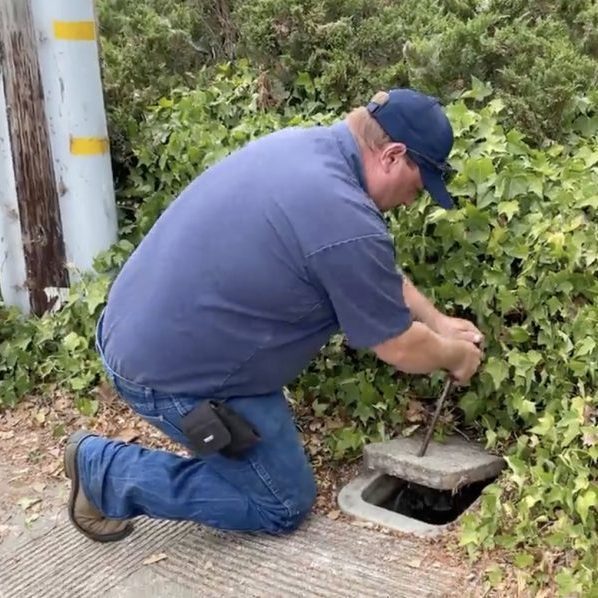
[[213, 427]]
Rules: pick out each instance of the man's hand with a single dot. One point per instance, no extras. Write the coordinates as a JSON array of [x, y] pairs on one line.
[[457, 329], [465, 361], [421, 350]]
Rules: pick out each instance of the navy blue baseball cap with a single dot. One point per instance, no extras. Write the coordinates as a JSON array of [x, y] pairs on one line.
[[418, 121]]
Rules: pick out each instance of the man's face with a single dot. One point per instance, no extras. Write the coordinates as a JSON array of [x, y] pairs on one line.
[[393, 178]]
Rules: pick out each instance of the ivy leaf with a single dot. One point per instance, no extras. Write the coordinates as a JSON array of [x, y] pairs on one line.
[[519, 334], [469, 537], [544, 425], [495, 106], [461, 117], [480, 171], [536, 186], [585, 501], [498, 370], [363, 411], [304, 80], [95, 298], [523, 560], [479, 90], [524, 406], [586, 346], [485, 197], [510, 208], [471, 405], [88, 407], [494, 575], [516, 186], [567, 583], [71, 341]]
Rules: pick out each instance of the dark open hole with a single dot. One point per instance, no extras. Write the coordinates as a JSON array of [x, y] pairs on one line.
[[430, 505]]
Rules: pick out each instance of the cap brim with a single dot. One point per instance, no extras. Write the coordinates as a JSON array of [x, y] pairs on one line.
[[435, 186]]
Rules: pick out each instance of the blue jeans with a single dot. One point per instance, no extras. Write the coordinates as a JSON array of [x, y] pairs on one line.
[[270, 489]]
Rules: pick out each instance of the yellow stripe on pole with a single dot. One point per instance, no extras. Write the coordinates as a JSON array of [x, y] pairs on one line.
[[75, 30], [88, 146]]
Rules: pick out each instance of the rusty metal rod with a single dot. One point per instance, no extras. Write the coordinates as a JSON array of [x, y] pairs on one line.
[[445, 392]]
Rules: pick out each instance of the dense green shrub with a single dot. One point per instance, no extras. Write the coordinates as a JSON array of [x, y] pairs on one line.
[[188, 131], [537, 60], [150, 47], [38, 355]]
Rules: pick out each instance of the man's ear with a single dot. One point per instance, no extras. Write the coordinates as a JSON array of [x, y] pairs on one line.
[[391, 154]]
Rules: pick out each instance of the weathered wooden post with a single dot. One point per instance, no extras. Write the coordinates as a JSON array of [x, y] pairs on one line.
[[57, 148], [37, 207]]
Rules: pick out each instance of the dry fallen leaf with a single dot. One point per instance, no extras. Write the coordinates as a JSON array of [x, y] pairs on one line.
[[416, 412], [19, 472], [7, 435], [334, 514], [128, 435], [366, 524], [409, 430], [29, 520], [590, 438], [155, 558], [61, 404], [416, 563], [26, 502], [53, 468]]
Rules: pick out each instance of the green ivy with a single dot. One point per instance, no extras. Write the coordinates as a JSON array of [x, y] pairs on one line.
[[518, 256], [57, 350], [38, 354]]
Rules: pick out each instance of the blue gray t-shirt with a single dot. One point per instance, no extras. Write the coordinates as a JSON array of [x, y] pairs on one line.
[[247, 274]]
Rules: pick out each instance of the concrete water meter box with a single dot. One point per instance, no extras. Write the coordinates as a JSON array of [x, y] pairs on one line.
[[419, 495]]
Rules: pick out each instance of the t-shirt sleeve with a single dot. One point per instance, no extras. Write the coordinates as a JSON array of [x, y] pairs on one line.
[[365, 288]]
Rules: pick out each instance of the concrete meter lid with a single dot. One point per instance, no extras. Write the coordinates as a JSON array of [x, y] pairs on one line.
[[445, 466]]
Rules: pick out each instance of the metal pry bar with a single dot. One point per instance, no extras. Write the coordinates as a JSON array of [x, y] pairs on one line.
[[445, 392]]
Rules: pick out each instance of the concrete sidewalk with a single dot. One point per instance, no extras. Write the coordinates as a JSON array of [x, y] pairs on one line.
[[169, 559]]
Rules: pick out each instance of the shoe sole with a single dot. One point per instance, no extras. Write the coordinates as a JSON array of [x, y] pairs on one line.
[[70, 469]]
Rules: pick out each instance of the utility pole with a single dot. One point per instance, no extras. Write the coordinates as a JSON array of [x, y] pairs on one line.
[[37, 198], [57, 200]]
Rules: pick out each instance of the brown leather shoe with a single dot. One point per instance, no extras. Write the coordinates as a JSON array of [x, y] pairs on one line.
[[84, 516]]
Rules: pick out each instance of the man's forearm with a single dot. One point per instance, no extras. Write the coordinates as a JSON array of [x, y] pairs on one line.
[[421, 307], [419, 350]]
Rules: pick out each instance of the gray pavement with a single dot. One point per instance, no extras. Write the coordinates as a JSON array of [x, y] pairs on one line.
[[175, 559]]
